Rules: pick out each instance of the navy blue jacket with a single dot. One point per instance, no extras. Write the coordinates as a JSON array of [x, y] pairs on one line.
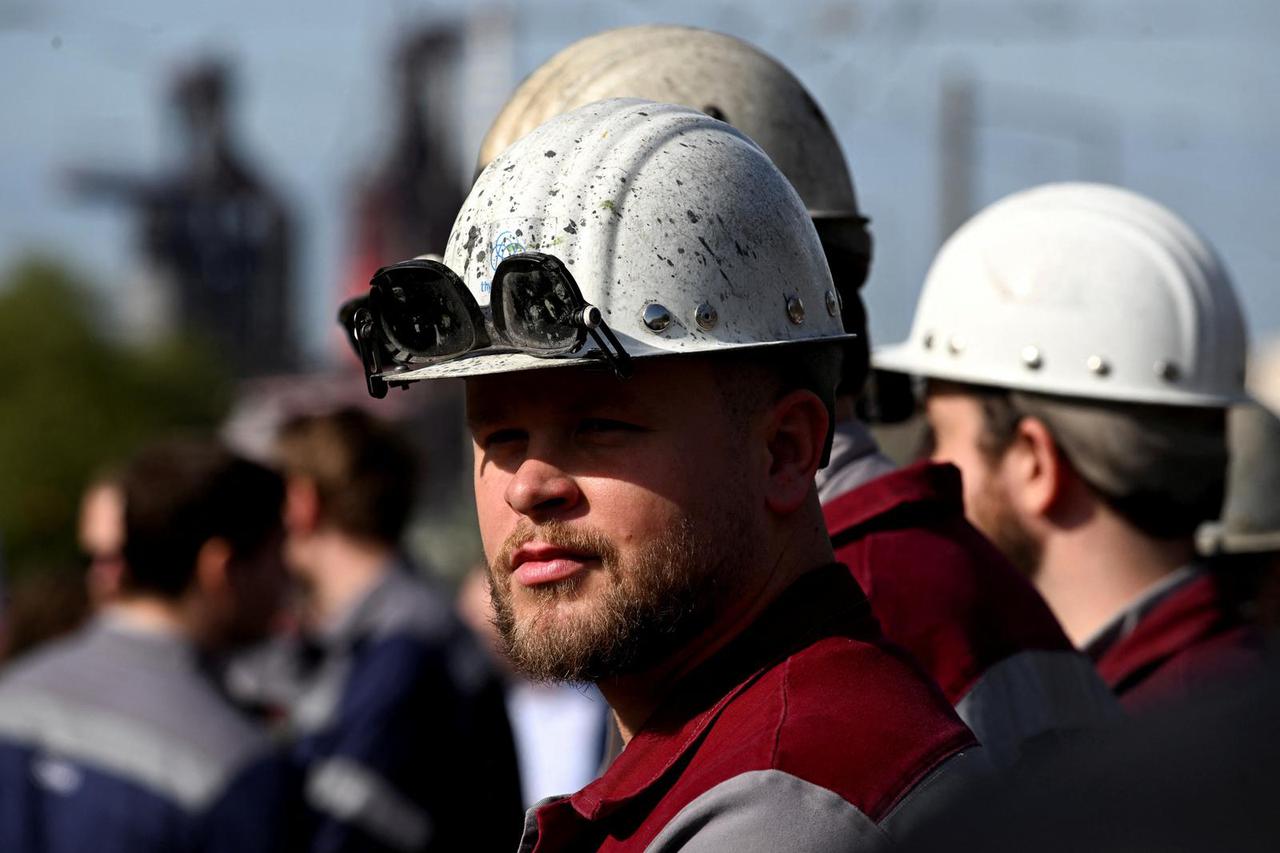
[[114, 741]]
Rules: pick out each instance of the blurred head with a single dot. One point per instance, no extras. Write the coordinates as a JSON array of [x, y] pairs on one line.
[[1034, 465], [348, 474], [203, 533], [101, 535]]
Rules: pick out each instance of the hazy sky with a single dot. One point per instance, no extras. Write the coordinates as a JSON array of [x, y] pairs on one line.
[[1174, 98]]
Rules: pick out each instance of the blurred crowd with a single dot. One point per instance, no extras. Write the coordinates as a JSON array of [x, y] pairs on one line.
[[1077, 562]]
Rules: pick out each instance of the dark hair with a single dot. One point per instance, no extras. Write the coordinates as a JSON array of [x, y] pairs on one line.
[[181, 493], [364, 473], [768, 373]]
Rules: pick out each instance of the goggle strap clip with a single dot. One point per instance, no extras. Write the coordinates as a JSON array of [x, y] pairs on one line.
[[363, 330]]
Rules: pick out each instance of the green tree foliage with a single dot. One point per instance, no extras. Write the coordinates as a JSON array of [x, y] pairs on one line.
[[73, 400]]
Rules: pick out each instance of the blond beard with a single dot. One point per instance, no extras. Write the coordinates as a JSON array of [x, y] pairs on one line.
[[663, 595]]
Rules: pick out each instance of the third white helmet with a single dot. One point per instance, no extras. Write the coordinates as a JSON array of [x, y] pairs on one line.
[[1080, 290]]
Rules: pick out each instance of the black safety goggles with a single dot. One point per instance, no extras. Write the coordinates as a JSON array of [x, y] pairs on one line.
[[419, 313]]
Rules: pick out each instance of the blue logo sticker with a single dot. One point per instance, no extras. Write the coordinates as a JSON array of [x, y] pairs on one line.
[[506, 245]]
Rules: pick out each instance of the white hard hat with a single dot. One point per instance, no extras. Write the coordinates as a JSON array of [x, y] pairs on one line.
[[1250, 520], [673, 224], [718, 74], [1080, 290]]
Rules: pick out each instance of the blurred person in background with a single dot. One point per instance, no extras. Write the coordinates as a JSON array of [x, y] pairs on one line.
[[214, 232], [1081, 346], [100, 529], [114, 739], [937, 586], [561, 730], [398, 714], [645, 489]]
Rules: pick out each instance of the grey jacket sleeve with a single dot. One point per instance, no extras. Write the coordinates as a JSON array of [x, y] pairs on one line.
[[769, 810]]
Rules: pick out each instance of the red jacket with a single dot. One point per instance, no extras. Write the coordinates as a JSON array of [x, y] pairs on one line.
[[805, 733], [942, 591], [1191, 637]]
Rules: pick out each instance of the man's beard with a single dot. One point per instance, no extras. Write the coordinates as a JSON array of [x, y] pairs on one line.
[[993, 514], [664, 595]]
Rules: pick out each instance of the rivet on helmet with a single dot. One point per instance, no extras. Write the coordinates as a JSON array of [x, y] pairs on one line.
[[705, 316], [656, 317], [795, 309], [1167, 370]]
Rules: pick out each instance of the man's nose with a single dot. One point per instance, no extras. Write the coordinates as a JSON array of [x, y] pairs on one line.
[[541, 491]]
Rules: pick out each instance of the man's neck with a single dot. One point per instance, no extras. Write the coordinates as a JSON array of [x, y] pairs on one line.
[[634, 698], [341, 571], [1090, 574], [152, 615]]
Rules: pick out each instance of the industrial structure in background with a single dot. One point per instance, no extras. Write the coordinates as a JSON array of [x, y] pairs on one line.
[[215, 238], [407, 204]]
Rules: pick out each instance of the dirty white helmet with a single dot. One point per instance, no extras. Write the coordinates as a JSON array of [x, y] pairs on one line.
[[720, 75], [1080, 290], [681, 236]]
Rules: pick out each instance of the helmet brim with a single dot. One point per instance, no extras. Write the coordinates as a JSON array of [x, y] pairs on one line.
[[906, 358], [482, 363]]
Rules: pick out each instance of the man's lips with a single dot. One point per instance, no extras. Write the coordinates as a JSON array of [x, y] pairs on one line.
[[538, 563]]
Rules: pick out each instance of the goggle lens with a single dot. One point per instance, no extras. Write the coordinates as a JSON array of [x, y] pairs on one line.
[[536, 310], [423, 312]]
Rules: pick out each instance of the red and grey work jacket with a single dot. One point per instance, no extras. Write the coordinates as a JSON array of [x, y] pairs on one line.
[[806, 733], [1180, 636], [943, 592]]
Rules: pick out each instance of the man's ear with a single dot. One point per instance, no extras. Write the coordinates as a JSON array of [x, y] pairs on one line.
[[1036, 468], [212, 562], [797, 435], [301, 505]]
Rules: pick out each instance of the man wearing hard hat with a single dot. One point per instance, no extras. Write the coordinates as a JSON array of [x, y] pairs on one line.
[[1081, 345], [937, 587], [650, 339]]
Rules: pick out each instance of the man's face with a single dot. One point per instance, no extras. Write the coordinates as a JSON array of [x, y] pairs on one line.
[[101, 534], [615, 514], [956, 425]]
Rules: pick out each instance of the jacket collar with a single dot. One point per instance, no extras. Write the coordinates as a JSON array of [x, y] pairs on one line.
[[823, 603], [922, 482], [1184, 612]]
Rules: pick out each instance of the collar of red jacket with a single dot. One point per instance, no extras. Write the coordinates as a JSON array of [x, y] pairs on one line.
[[826, 602], [922, 482], [1189, 614]]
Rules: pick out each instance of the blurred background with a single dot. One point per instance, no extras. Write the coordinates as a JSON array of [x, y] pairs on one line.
[[187, 191]]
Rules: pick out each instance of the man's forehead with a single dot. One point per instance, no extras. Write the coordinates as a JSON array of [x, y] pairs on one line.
[[655, 383], [492, 397]]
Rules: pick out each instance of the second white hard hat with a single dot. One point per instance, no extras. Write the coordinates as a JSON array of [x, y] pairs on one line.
[[1079, 290]]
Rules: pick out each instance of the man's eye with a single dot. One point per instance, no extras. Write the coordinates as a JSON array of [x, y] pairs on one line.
[[501, 437]]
